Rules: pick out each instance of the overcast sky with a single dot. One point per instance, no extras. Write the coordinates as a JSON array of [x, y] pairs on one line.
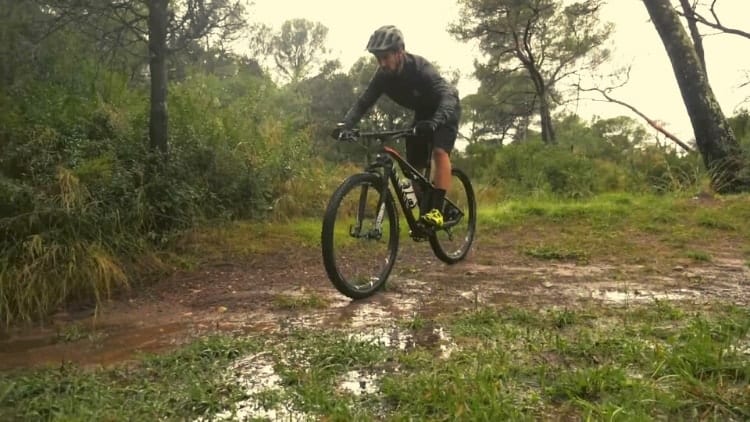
[[652, 87]]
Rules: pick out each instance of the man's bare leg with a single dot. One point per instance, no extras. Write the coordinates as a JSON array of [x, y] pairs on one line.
[[442, 176]]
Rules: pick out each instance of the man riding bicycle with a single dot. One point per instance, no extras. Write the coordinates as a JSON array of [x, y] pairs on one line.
[[414, 83]]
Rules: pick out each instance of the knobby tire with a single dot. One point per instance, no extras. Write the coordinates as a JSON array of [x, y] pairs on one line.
[[337, 241], [464, 197]]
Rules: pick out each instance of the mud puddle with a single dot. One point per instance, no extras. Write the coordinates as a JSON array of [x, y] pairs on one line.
[[99, 346], [245, 300]]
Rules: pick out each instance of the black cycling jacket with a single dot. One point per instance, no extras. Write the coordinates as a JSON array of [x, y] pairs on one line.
[[417, 87]]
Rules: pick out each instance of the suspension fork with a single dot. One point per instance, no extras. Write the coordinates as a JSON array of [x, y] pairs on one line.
[[355, 230], [383, 168]]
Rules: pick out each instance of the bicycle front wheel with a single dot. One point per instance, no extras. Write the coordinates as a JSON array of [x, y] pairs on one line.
[[451, 243], [360, 236]]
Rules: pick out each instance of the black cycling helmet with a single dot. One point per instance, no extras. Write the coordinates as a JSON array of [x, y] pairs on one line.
[[385, 38]]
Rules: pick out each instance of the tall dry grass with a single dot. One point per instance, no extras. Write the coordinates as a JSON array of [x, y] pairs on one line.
[[66, 261]]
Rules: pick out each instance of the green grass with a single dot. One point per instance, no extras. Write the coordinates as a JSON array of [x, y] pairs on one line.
[[621, 211], [229, 239], [699, 256], [657, 361], [182, 385], [603, 210], [633, 228], [304, 231]]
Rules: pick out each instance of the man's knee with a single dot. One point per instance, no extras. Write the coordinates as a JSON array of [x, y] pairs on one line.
[[438, 152]]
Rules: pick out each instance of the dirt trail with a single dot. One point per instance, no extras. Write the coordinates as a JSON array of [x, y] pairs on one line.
[[259, 296]]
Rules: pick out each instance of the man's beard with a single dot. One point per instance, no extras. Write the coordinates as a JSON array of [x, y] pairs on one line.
[[398, 68]]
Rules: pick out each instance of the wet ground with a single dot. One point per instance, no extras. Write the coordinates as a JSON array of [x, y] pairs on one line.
[[268, 295]]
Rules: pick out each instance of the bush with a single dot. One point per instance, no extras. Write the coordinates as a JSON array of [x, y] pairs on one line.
[[537, 169], [585, 161], [81, 195]]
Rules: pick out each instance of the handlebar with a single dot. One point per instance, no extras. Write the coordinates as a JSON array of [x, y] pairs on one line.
[[382, 136]]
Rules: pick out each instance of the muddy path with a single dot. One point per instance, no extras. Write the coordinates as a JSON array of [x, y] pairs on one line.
[[289, 289]]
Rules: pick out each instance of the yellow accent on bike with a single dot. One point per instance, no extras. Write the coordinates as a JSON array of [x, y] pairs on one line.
[[433, 218]]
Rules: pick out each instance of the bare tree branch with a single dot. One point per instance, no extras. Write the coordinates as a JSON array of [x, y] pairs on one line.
[[714, 23], [653, 123]]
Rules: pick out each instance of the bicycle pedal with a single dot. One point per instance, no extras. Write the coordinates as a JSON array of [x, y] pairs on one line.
[[418, 238]]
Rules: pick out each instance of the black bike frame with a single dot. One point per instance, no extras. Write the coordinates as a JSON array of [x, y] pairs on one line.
[[383, 166]]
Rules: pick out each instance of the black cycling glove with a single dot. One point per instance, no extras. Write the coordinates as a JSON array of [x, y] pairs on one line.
[[425, 128]]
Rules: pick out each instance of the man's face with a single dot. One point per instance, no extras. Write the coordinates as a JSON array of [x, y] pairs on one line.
[[390, 61]]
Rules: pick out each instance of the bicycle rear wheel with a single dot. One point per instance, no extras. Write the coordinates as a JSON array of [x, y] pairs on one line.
[[360, 236], [451, 243]]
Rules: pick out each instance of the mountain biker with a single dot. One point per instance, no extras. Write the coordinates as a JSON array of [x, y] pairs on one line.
[[414, 83]]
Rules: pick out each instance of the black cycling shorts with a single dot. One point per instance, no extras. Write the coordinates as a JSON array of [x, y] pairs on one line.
[[417, 148]]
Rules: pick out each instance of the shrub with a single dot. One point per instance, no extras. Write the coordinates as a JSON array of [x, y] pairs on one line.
[[81, 195]]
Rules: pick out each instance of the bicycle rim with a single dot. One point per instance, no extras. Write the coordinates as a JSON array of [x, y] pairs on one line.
[[453, 243], [359, 239]]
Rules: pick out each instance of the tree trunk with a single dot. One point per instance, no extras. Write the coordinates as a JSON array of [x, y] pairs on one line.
[[548, 128], [545, 114], [716, 142], [522, 129], [157, 46]]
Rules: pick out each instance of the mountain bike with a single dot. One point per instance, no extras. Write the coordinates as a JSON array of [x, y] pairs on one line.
[[360, 234]]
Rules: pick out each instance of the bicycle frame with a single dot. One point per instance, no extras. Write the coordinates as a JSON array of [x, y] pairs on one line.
[[359, 262], [383, 165]]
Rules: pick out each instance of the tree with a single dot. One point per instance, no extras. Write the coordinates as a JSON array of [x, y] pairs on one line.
[[157, 65], [20, 30], [329, 95], [716, 142], [621, 133], [163, 26], [502, 106], [694, 16], [546, 38], [298, 49]]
